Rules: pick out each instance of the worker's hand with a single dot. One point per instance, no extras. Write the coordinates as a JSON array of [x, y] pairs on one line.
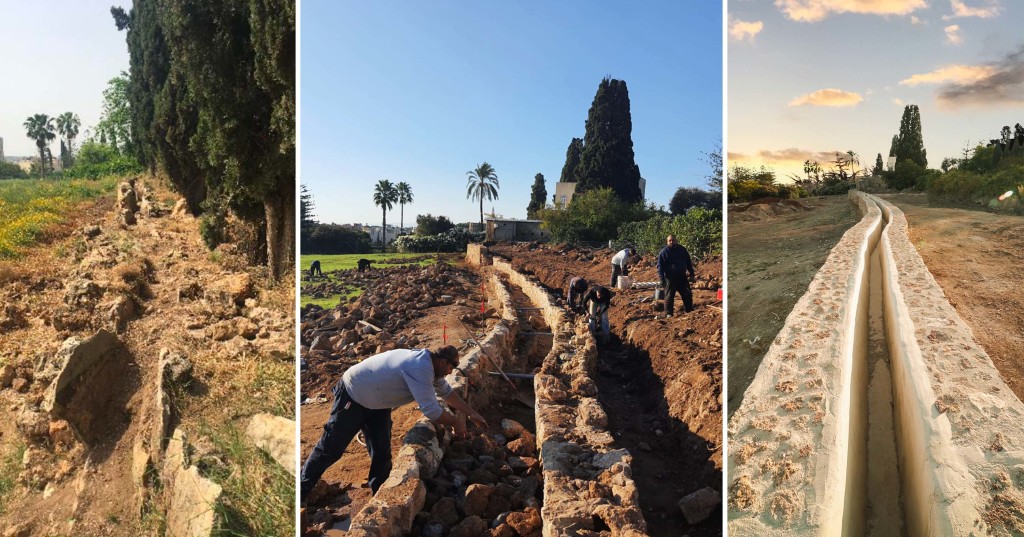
[[460, 429], [479, 420]]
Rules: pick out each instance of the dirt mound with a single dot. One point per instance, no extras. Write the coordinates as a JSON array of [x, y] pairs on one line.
[[93, 427], [764, 208]]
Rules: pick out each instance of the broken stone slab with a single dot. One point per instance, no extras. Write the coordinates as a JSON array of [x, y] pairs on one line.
[[72, 360], [192, 499], [276, 436], [699, 505], [176, 367]]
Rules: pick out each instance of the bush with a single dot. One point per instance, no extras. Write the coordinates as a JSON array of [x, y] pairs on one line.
[[594, 215], [10, 170], [327, 239], [836, 189], [96, 160], [699, 230], [904, 176], [453, 240], [430, 225]]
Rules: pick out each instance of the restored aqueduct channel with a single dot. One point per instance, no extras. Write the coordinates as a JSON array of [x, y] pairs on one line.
[[875, 412], [587, 488]]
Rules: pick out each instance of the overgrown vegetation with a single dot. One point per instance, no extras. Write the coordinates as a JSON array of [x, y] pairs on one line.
[[95, 160], [29, 207], [333, 239], [699, 230], [10, 465], [453, 240], [9, 170], [593, 216]]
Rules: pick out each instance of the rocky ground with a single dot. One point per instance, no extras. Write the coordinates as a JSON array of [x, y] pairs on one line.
[[138, 370], [656, 374]]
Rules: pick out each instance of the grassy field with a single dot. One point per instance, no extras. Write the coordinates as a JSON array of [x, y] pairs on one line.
[[28, 207], [349, 261]]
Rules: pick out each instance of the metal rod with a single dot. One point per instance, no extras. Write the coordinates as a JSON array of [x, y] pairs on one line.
[[513, 375]]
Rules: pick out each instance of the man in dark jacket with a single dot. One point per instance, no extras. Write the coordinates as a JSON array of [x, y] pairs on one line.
[[577, 286], [597, 301], [673, 264]]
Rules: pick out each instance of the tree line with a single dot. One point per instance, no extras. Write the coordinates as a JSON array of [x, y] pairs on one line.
[[211, 106]]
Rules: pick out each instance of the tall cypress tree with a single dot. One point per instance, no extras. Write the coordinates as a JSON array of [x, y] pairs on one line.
[[608, 160], [879, 167], [538, 195], [909, 142], [892, 146], [572, 161]]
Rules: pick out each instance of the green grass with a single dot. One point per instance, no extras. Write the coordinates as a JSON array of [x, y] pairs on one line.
[[350, 261], [259, 495], [10, 465], [28, 207]]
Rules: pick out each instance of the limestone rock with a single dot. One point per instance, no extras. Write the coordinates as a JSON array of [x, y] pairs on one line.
[[230, 328], [445, 512], [276, 436], [512, 429], [474, 501], [177, 368], [524, 523], [470, 527], [6, 375], [180, 208], [699, 505]]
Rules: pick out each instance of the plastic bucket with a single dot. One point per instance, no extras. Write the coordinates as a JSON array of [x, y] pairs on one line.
[[625, 282]]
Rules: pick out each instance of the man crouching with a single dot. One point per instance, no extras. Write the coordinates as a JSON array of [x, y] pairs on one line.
[[363, 400]]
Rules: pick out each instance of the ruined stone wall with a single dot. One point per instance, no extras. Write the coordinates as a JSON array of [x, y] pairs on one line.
[[586, 481], [477, 255], [403, 494]]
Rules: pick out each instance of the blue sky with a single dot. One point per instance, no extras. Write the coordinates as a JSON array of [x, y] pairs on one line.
[[424, 91], [955, 59], [58, 57]]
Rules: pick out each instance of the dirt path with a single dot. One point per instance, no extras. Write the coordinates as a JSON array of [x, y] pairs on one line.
[[152, 284], [772, 260], [976, 257]]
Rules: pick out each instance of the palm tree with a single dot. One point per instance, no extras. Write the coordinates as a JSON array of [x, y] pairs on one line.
[[40, 128], [384, 195], [853, 160], [482, 183], [404, 196], [67, 125]]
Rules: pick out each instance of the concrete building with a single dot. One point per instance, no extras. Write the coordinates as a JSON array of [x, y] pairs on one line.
[[564, 191], [375, 232], [515, 230]]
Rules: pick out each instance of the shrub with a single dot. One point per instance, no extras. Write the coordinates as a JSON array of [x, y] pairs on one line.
[[9, 170], [835, 189], [430, 225], [96, 160], [699, 230], [329, 239], [453, 240], [594, 215]]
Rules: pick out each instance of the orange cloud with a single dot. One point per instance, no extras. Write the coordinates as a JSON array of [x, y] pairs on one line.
[[743, 30], [962, 10], [816, 10], [788, 157], [950, 74], [953, 36], [828, 97]]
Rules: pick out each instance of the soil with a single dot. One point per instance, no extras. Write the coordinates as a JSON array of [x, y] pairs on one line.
[[75, 488], [655, 374], [976, 258], [765, 283]]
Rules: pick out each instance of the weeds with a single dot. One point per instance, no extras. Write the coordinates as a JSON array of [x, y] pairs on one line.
[[29, 207], [10, 464]]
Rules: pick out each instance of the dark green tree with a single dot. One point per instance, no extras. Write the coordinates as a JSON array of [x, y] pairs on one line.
[[892, 146], [404, 196], [879, 167], [306, 208], [65, 158], [39, 127], [572, 161], [909, 142], [385, 196], [1004, 134], [68, 125], [1018, 131], [686, 198], [426, 225], [116, 119], [607, 160], [482, 183], [538, 195]]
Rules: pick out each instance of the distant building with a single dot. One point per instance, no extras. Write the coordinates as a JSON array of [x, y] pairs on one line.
[[565, 191], [515, 230], [375, 232], [1, 149]]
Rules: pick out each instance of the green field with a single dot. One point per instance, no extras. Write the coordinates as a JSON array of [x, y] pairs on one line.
[[29, 206], [349, 261]]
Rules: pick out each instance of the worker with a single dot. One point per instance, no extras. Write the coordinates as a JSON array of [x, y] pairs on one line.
[[577, 286], [620, 264], [597, 301], [363, 400], [673, 265]]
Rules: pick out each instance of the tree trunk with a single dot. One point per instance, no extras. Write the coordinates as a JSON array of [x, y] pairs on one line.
[[481, 208], [401, 222], [42, 160], [279, 208], [384, 228]]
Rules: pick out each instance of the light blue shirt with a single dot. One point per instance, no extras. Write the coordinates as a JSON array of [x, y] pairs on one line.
[[395, 378]]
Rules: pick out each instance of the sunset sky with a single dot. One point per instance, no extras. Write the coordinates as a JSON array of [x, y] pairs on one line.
[[811, 77]]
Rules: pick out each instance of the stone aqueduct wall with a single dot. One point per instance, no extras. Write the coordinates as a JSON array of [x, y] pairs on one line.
[[797, 446]]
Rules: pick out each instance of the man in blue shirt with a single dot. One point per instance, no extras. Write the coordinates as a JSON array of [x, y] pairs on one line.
[[673, 264], [363, 400]]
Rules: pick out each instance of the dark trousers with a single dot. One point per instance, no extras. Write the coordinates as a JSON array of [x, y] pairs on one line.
[[348, 418], [678, 284], [616, 272]]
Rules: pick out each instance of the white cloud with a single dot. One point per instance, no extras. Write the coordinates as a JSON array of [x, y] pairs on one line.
[[915, 21], [897, 101], [953, 36], [958, 74], [828, 97], [743, 30], [960, 9], [816, 10]]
